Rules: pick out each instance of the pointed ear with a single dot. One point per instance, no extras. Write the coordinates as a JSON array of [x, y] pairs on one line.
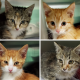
[[47, 9], [70, 10], [77, 50], [23, 51], [8, 6], [58, 48], [30, 9], [2, 50]]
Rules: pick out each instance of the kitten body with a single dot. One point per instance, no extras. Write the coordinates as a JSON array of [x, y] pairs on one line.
[[12, 62], [15, 21], [60, 22], [62, 65]]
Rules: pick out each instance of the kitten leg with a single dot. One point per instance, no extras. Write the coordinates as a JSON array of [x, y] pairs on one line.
[[22, 35], [6, 35]]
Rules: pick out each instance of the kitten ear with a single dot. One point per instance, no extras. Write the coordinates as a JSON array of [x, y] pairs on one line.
[[70, 10], [77, 50], [8, 6], [30, 9], [2, 50], [58, 48], [23, 51], [47, 9]]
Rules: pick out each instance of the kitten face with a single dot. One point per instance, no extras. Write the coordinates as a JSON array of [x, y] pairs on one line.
[[59, 20], [67, 59], [18, 18], [12, 60]]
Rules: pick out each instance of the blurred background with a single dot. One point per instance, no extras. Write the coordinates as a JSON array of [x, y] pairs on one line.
[[49, 45], [33, 28], [32, 59], [58, 4]]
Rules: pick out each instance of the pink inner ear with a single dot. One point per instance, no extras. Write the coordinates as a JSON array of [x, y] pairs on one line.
[[47, 12], [23, 54], [70, 14], [1, 51]]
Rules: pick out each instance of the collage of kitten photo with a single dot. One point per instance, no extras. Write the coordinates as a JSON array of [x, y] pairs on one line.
[[39, 39]]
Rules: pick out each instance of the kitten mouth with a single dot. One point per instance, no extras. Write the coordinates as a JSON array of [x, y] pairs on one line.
[[10, 72], [64, 71], [17, 29]]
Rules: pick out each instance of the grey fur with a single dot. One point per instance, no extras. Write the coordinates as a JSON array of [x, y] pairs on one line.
[[52, 69]]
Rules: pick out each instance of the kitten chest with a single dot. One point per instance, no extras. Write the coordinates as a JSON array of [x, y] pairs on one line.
[[15, 33]]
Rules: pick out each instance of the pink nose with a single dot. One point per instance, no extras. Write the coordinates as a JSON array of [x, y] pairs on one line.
[[10, 70], [17, 29], [57, 30]]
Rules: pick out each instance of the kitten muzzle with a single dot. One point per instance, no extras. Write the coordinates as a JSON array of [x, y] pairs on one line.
[[57, 30]]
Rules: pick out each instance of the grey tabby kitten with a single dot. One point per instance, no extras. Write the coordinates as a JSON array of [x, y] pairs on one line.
[[14, 21], [62, 65]]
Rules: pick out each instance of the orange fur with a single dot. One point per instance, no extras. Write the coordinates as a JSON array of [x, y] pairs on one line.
[[17, 56], [62, 15], [27, 76]]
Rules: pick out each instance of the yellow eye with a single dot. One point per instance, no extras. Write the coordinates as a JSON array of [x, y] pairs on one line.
[[60, 60], [71, 62]]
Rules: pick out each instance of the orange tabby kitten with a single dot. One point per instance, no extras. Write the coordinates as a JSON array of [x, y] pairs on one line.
[[12, 62], [60, 22]]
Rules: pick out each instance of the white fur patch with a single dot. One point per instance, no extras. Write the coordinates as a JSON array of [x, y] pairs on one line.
[[16, 33], [11, 76]]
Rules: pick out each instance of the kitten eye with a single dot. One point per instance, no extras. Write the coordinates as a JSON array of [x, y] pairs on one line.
[[63, 23], [52, 23], [71, 62], [16, 63], [60, 61], [5, 62], [22, 22], [12, 20], [77, 62], [28, 21]]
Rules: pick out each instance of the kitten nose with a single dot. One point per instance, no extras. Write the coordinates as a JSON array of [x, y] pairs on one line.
[[57, 30], [10, 70], [64, 69], [17, 29]]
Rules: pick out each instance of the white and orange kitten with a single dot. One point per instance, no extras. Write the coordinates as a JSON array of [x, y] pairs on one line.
[[12, 62], [60, 22]]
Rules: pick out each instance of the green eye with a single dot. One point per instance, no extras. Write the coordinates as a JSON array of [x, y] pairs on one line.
[[5, 62], [60, 60], [16, 63], [71, 62]]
